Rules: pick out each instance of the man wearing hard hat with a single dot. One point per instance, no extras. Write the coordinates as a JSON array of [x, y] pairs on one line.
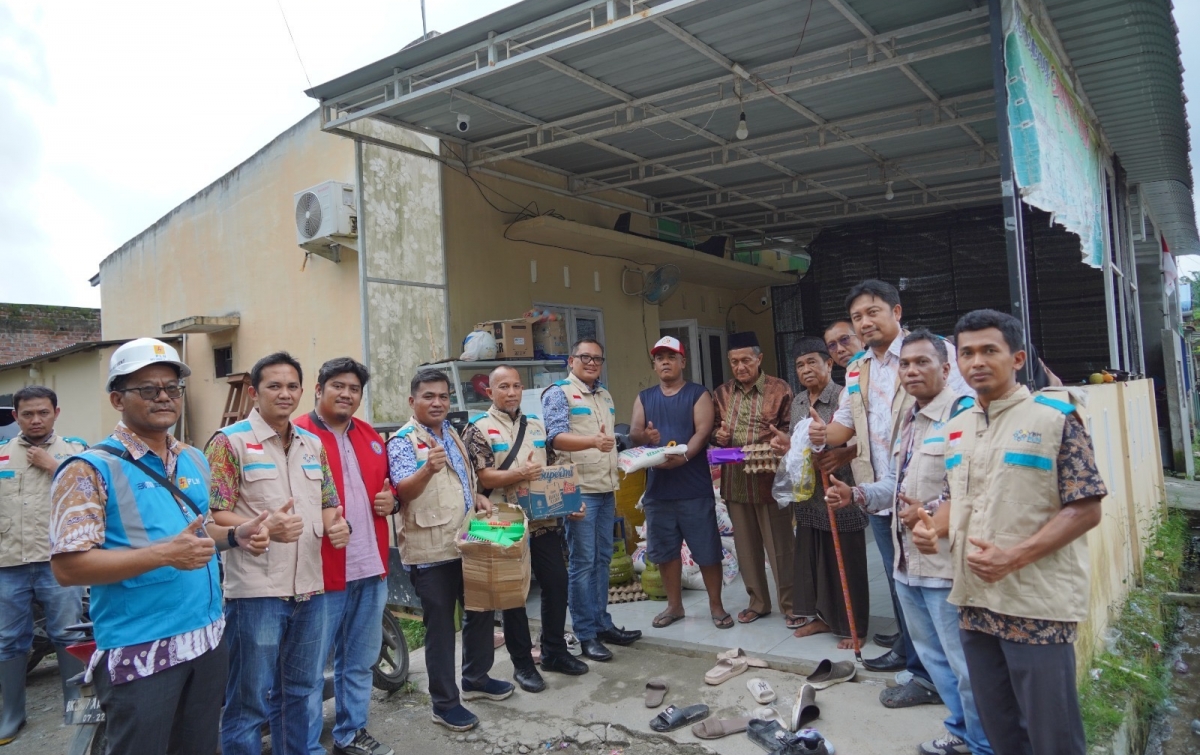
[[130, 518]]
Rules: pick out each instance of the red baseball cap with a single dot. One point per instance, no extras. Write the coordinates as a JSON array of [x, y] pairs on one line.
[[669, 344]]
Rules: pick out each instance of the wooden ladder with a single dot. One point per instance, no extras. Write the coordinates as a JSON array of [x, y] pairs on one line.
[[237, 403]]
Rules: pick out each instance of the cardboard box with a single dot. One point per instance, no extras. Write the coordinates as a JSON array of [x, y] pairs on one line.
[[514, 338], [550, 338], [555, 494], [495, 578]]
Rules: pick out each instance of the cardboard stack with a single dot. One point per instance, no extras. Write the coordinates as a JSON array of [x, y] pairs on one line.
[[514, 338], [495, 577]]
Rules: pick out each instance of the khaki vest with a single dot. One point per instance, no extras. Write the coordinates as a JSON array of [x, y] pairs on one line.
[[589, 413], [25, 500], [501, 430], [858, 381], [923, 480], [429, 523], [268, 479], [1002, 468]]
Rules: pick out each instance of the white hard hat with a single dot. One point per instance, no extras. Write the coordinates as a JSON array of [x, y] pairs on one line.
[[139, 353]]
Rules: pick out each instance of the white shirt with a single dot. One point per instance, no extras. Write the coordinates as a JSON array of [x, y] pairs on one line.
[[881, 387]]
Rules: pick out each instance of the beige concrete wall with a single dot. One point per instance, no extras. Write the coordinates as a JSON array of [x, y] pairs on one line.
[[78, 379], [1121, 420], [231, 249], [490, 278]]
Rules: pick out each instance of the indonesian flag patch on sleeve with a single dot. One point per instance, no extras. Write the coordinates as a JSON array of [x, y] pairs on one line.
[[255, 449], [954, 438]]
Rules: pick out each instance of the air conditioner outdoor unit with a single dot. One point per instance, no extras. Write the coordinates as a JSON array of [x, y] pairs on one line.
[[327, 219]]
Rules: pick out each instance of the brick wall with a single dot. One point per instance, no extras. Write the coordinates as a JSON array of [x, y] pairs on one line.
[[27, 330]]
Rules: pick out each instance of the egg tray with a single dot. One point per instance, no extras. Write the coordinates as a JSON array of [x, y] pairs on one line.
[[760, 459], [630, 593]]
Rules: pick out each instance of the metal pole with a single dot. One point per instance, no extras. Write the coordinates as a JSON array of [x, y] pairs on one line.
[[424, 31], [1014, 229]]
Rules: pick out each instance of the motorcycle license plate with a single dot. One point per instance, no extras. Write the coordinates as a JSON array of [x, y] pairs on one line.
[[83, 710]]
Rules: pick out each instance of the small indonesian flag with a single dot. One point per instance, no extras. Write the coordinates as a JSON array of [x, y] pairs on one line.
[[421, 446], [3, 460], [577, 397], [255, 448], [955, 437], [493, 431]]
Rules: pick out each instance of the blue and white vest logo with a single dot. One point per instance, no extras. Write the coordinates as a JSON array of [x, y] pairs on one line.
[[1021, 436]]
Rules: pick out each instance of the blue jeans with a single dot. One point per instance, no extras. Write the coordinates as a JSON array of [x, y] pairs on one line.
[[19, 587], [275, 667], [590, 545], [881, 527], [354, 630], [933, 624]]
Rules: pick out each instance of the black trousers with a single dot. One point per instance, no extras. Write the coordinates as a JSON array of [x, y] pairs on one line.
[[550, 570], [440, 588], [176, 711], [1025, 694]]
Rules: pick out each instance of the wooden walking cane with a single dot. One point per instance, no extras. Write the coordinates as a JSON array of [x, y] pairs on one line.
[[837, 549]]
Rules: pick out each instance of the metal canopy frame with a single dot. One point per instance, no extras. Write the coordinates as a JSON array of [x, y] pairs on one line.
[[875, 114]]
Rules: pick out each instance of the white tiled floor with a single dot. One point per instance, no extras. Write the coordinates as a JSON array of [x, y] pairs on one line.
[[767, 635]]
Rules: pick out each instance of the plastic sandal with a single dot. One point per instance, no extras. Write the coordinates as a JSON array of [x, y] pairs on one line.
[[715, 728], [829, 673], [672, 718], [656, 692], [760, 690]]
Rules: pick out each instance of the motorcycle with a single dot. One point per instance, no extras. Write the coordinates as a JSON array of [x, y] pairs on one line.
[[389, 674]]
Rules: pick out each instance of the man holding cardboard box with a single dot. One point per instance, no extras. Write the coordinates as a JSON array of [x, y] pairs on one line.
[[580, 415], [508, 449], [436, 488]]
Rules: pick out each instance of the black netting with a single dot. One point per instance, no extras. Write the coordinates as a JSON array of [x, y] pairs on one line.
[[946, 266]]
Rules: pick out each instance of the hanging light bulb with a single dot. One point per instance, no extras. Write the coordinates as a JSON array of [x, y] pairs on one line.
[[889, 195], [742, 132]]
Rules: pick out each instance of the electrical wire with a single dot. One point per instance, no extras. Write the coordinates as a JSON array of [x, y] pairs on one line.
[[803, 31], [295, 47]]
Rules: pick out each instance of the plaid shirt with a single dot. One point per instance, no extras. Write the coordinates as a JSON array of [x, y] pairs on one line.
[[749, 413]]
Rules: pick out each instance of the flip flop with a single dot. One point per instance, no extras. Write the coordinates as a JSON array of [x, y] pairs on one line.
[[795, 622], [805, 709], [760, 690], [723, 622], [766, 713], [749, 617], [732, 653], [664, 620], [829, 673], [672, 718], [656, 690], [715, 728]]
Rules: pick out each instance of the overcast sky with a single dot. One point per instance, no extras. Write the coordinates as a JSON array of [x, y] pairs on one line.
[[112, 112]]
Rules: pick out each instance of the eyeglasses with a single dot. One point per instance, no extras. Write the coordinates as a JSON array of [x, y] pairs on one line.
[[844, 342], [150, 392], [589, 359]]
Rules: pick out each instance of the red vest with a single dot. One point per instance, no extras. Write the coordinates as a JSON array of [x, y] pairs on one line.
[[373, 463]]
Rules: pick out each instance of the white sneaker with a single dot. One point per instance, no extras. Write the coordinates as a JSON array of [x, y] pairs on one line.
[[945, 745]]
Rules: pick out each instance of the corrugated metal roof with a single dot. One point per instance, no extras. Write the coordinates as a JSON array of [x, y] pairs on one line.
[[648, 102]]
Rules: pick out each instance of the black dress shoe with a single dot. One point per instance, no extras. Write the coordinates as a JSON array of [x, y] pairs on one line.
[[620, 636], [886, 640], [529, 679], [593, 650], [564, 664], [889, 661]]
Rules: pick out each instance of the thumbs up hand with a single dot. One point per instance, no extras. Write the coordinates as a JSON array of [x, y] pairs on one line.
[[924, 534], [189, 550], [338, 531], [530, 470], [253, 536], [817, 431], [285, 525], [384, 502], [990, 563], [781, 442], [653, 437], [837, 494]]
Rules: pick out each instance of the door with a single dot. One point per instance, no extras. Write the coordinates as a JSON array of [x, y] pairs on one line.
[[712, 357], [582, 322]]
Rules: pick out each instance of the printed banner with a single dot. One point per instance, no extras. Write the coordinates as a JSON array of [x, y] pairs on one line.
[[1056, 155]]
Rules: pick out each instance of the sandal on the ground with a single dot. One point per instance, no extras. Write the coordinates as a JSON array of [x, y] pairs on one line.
[[664, 620], [769, 735], [727, 668], [732, 653], [749, 616], [829, 673], [760, 690], [766, 713], [656, 691], [795, 622], [672, 718], [805, 710], [723, 622], [908, 695], [715, 728]]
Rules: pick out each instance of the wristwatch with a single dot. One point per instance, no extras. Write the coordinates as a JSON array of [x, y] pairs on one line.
[[232, 538]]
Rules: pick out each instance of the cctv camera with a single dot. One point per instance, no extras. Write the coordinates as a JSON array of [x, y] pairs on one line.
[[464, 121], [763, 300]]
